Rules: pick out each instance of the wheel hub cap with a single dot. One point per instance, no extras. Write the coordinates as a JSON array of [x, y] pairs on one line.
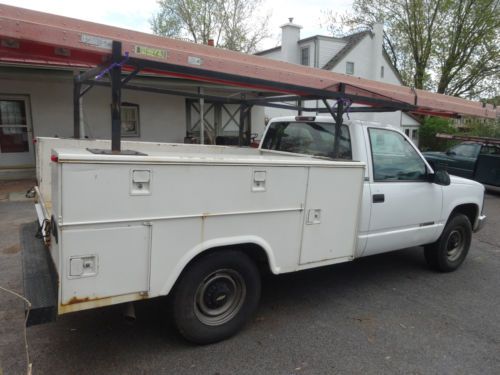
[[455, 245], [219, 297]]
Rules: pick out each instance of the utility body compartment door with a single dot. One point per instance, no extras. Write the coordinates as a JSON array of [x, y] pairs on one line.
[[100, 262], [331, 214]]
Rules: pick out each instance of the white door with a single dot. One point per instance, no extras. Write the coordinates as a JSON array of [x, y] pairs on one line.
[[405, 207], [16, 146]]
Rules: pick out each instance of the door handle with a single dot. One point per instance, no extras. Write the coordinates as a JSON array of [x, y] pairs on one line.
[[378, 198]]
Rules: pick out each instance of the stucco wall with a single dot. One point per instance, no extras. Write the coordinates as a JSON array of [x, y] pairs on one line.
[[162, 117]]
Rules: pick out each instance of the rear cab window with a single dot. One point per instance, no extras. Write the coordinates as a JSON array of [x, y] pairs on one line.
[[310, 138]]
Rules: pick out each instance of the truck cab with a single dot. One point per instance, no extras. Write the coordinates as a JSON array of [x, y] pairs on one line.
[[405, 203]]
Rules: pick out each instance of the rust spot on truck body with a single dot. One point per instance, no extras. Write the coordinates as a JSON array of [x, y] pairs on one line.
[[77, 303], [74, 300]]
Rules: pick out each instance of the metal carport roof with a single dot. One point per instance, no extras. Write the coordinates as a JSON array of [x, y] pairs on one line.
[[39, 38]]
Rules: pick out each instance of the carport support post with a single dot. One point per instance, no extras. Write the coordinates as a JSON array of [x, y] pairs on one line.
[[202, 116], [241, 129], [76, 106], [116, 93], [249, 125]]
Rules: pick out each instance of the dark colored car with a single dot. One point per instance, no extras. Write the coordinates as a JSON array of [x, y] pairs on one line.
[[474, 160]]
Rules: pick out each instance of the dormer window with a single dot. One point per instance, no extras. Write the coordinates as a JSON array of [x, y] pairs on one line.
[[304, 56], [349, 67]]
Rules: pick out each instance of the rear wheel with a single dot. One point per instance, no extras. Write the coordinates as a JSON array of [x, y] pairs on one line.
[[216, 296], [450, 250]]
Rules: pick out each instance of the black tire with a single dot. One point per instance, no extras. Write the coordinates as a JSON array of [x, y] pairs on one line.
[[449, 251], [216, 296]]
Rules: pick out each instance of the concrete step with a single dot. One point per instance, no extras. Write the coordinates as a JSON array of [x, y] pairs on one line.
[[17, 173]]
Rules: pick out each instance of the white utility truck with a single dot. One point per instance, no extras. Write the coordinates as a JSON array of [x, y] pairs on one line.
[[199, 223]]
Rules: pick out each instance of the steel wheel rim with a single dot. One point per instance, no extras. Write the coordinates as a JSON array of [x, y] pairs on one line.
[[219, 297], [454, 245]]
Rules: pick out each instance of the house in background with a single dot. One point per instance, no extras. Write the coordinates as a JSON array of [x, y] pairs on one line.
[[361, 55]]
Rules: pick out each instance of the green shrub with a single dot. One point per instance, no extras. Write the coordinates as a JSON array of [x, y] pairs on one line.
[[428, 130], [482, 128]]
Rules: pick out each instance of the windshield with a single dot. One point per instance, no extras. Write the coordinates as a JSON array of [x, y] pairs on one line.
[[311, 138]]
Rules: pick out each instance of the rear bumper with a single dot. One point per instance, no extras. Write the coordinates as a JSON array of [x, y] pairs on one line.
[[480, 223]]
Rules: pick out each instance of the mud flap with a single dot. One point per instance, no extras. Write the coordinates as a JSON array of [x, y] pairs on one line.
[[39, 277]]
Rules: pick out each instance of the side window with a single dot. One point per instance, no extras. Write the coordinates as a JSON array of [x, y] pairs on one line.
[[311, 138], [466, 150], [349, 67], [490, 150], [304, 56], [394, 158]]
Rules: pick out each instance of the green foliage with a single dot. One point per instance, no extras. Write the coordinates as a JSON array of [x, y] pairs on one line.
[[232, 24], [482, 128], [449, 46], [428, 131]]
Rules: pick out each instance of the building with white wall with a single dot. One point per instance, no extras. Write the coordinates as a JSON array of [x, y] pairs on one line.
[[361, 55], [38, 101]]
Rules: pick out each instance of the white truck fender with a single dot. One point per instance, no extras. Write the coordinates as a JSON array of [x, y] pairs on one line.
[[214, 243]]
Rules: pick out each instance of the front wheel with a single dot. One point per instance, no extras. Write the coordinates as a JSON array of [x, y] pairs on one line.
[[450, 250], [215, 296]]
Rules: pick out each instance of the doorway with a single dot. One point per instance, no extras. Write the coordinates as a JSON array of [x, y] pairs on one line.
[[16, 132]]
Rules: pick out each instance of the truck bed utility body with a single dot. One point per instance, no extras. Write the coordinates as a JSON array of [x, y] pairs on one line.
[[124, 227], [130, 220]]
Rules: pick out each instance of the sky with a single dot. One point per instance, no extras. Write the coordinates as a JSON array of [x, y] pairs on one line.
[[135, 14]]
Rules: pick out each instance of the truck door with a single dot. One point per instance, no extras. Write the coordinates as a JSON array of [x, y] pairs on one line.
[[405, 207], [462, 159]]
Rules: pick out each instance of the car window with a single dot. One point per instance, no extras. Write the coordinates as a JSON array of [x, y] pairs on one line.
[[466, 150], [311, 138], [394, 158], [490, 150]]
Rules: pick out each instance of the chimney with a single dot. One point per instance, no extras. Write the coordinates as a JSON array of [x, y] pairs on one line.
[[377, 51], [290, 35]]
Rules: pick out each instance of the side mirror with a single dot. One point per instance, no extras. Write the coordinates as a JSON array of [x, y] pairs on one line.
[[440, 177], [450, 153]]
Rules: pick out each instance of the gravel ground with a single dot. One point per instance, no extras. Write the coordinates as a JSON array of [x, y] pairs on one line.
[[386, 314]]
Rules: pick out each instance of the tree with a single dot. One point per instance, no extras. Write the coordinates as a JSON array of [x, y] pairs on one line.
[[450, 46], [428, 130], [232, 24]]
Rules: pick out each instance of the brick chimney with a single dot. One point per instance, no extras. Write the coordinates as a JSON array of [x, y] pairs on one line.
[[290, 35]]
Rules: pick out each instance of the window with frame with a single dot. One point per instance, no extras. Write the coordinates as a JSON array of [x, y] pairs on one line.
[[13, 126], [381, 72], [414, 134], [465, 150], [304, 56], [394, 158], [490, 150], [349, 67], [311, 138], [130, 120]]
